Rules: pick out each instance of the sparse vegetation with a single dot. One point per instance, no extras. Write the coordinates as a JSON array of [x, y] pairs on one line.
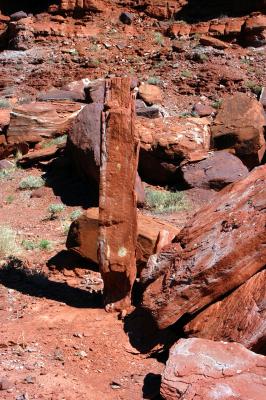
[[4, 103], [161, 201], [55, 209], [6, 173], [8, 242], [154, 80], [45, 244], [254, 87], [75, 214], [54, 142], [186, 74], [10, 199], [28, 244], [31, 182], [217, 104], [158, 38]]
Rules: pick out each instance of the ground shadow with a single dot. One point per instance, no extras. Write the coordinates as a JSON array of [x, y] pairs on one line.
[[16, 276], [151, 387], [203, 10], [73, 191], [66, 259]]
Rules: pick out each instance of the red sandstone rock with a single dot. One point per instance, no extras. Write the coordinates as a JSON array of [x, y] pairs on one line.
[[240, 125], [214, 42], [240, 317], [34, 121], [165, 142], [209, 266], [206, 370], [215, 171], [117, 200], [87, 5], [83, 236], [203, 110], [151, 94]]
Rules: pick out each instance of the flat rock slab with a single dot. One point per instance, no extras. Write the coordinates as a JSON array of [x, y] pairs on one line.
[[221, 248], [117, 201], [247, 306], [206, 370]]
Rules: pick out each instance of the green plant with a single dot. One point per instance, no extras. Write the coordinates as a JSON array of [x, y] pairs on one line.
[[6, 173], [10, 199], [8, 242], [154, 80], [217, 104], [54, 142], [28, 244], [55, 209], [186, 73], [256, 89], [31, 182], [161, 201], [65, 227], [158, 38], [4, 103], [45, 244], [75, 214]]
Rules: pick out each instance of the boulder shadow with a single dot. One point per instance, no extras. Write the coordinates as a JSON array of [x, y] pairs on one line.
[[15, 275], [151, 387], [66, 259]]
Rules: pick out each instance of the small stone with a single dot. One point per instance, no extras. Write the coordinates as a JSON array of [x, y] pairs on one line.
[[82, 354], [78, 335], [115, 385], [126, 18], [30, 379], [18, 15], [5, 384], [58, 355]]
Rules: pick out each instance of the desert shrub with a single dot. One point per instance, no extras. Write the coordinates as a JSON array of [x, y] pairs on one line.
[[161, 201], [55, 209], [8, 242], [10, 199], [4, 103], [217, 104], [28, 244], [75, 214], [158, 38], [54, 142], [256, 89], [45, 244], [186, 74], [154, 80], [31, 182]]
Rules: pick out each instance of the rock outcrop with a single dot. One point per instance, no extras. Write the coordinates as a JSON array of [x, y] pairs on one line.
[[247, 306], [240, 126], [207, 370], [117, 200], [222, 247]]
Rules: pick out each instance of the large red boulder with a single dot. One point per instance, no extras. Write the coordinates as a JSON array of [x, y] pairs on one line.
[[222, 247], [247, 306], [205, 370], [240, 126]]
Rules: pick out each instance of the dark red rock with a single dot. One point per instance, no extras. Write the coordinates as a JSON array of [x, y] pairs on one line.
[[216, 171], [247, 306], [206, 370], [203, 110], [117, 200], [222, 247]]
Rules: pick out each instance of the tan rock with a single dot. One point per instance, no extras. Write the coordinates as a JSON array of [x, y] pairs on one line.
[[247, 306], [151, 94], [214, 42], [205, 370]]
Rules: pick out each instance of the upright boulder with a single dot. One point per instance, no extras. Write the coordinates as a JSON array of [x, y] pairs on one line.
[[247, 306], [222, 247], [117, 201], [240, 126], [205, 370]]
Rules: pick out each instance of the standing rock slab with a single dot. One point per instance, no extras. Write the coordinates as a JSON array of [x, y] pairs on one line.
[[247, 306], [117, 202], [205, 370], [214, 172], [222, 247], [240, 125]]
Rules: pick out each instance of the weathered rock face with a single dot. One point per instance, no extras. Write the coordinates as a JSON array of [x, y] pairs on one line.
[[159, 8], [86, 5], [207, 370], [117, 200], [247, 306], [34, 121], [83, 236], [165, 142], [215, 172], [240, 125], [222, 247]]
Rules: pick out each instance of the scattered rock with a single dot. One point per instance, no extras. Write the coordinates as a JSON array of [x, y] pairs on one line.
[[246, 305], [5, 383], [207, 266], [207, 370], [151, 94], [203, 110], [239, 125], [18, 15], [126, 18], [219, 169]]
